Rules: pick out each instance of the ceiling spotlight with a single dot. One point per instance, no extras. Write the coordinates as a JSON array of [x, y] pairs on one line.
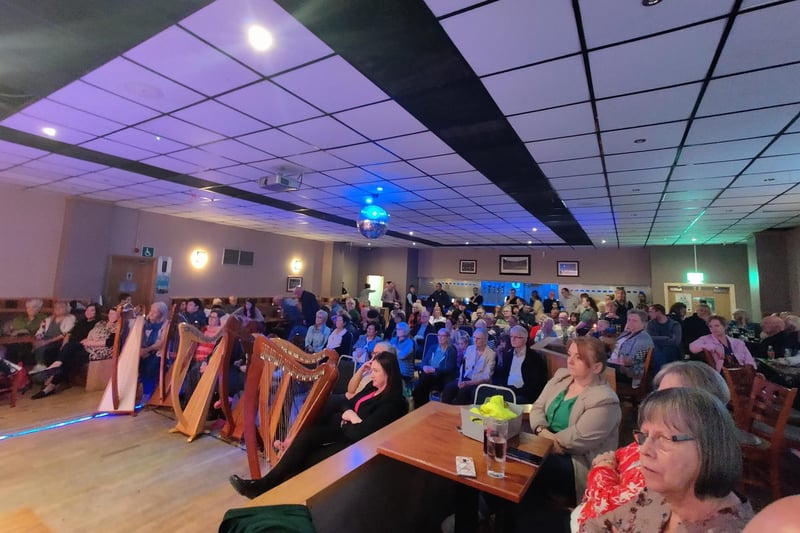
[[603, 241], [260, 39], [380, 189], [640, 141], [649, 3], [413, 244], [530, 242], [466, 242], [411, 233], [50, 132], [694, 239], [534, 229]]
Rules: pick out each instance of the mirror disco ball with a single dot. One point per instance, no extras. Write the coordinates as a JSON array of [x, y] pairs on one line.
[[373, 221]]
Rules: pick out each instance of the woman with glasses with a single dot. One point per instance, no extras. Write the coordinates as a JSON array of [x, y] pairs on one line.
[[691, 462], [616, 477]]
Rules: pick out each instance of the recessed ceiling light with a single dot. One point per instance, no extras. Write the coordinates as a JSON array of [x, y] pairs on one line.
[[158, 138], [413, 244], [603, 241], [694, 240], [50, 132], [640, 141], [534, 229], [649, 3], [380, 189], [411, 233], [530, 242], [369, 244], [466, 242], [260, 39]]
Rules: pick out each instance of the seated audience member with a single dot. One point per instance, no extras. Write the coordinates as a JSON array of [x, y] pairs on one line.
[[437, 319], [564, 329], [461, 340], [513, 299], [195, 315], [478, 314], [52, 334], [406, 349], [155, 333], [631, 349], [502, 320], [527, 317], [72, 353], [340, 339], [727, 351], [520, 368], [588, 315], [695, 326], [580, 413], [569, 302], [318, 333], [616, 477], [691, 462], [476, 368], [666, 335], [740, 326], [677, 312], [362, 377], [773, 336], [546, 331], [396, 316], [612, 316], [250, 312], [491, 328], [376, 406], [781, 516], [231, 306], [29, 323], [438, 368], [549, 303], [352, 309], [362, 349], [201, 354]]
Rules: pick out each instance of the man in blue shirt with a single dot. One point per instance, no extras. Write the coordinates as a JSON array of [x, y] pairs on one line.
[[438, 367]]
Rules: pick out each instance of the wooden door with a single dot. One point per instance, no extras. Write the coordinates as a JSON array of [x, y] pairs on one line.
[[721, 298], [131, 274]]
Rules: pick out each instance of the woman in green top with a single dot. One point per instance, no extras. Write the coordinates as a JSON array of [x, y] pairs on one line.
[[580, 412]]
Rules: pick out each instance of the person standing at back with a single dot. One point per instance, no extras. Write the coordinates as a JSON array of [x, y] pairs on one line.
[[308, 304], [390, 296]]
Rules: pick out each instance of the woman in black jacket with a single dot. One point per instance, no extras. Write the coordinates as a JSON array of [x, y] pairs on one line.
[[378, 405]]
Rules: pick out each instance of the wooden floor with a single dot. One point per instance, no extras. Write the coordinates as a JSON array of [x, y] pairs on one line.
[[116, 473]]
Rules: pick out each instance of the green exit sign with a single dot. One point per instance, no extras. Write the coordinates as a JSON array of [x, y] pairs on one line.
[[148, 251]]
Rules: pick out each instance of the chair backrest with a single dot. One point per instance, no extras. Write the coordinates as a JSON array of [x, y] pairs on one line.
[[486, 390], [469, 329], [770, 405], [611, 377], [346, 367], [431, 340], [709, 356], [644, 385], [740, 384]]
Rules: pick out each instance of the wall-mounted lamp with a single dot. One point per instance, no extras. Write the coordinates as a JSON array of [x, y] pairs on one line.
[[199, 258], [296, 266]]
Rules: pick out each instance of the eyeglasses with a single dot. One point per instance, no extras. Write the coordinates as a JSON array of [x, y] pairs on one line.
[[659, 440]]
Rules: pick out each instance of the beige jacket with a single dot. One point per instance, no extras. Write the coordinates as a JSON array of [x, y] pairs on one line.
[[593, 422]]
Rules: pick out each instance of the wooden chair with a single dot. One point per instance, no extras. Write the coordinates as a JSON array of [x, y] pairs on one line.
[[14, 384], [769, 408], [709, 358], [636, 394], [740, 383]]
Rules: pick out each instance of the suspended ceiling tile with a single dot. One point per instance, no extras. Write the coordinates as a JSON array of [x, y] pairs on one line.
[[709, 170], [146, 141], [699, 184], [36, 126], [108, 146], [173, 128], [668, 59], [562, 122], [638, 188], [442, 164], [353, 175], [381, 120], [655, 137], [746, 201], [462, 179], [722, 151], [540, 86], [204, 159], [62, 115], [638, 176], [396, 170], [754, 179], [83, 96], [219, 118], [760, 38], [609, 21], [323, 132], [416, 145], [740, 125], [776, 163], [752, 90], [784, 145], [578, 182], [662, 105], [640, 160], [70, 162], [175, 165], [363, 154], [217, 177], [167, 53], [319, 161], [565, 148], [502, 35], [636, 199], [236, 151], [331, 85], [573, 167], [419, 184]]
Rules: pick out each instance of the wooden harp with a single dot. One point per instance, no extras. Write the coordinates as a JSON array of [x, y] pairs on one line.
[[161, 396], [119, 396], [283, 394], [232, 430]]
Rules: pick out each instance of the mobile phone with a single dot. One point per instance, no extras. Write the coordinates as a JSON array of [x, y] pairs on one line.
[[465, 466], [524, 457]]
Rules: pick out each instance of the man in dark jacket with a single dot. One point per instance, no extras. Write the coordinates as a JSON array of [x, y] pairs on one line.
[[439, 296], [696, 326], [520, 368], [308, 304]]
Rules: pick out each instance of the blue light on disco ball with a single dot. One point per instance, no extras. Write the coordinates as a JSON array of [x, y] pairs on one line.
[[373, 221]]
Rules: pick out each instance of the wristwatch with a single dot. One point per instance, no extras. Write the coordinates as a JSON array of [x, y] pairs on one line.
[[538, 429]]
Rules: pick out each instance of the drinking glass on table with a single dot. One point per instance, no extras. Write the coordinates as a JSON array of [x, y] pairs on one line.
[[496, 442]]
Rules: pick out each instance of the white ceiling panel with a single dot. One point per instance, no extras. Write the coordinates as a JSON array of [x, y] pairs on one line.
[[83, 96], [276, 142], [108, 146], [62, 115], [662, 105], [219, 118], [217, 177], [669, 59], [381, 120], [175, 165], [741, 125], [610, 21], [166, 54], [640, 160], [775, 86], [417, 145], [353, 175], [562, 122], [760, 38], [397, 170], [541, 86], [784, 145], [513, 33], [36, 126], [636, 188], [324, 132], [578, 182], [71, 162], [586, 192], [708, 170], [462, 179], [699, 184], [564, 148], [769, 177], [363, 154], [319, 161], [222, 24], [573, 167], [136, 83], [178, 130], [236, 151], [723, 151], [744, 201], [146, 141], [331, 84], [201, 157], [655, 137], [763, 190], [776, 163], [442, 164]]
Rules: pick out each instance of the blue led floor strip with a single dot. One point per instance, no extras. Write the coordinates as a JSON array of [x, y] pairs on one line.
[[53, 426]]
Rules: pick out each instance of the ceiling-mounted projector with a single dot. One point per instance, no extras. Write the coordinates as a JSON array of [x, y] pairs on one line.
[[281, 182]]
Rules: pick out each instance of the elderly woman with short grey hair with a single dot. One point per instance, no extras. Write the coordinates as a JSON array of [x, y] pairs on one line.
[[691, 462]]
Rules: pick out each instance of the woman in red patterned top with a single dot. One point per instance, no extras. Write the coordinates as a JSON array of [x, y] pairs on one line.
[[616, 477]]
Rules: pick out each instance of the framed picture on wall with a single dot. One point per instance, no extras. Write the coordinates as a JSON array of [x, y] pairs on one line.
[[515, 265], [568, 269], [292, 282], [467, 266]]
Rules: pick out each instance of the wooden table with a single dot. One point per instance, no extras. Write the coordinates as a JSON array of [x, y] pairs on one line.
[[433, 443], [18, 339]]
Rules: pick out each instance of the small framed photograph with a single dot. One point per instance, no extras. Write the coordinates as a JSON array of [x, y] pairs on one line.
[[568, 269], [467, 266], [515, 265], [292, 282]]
